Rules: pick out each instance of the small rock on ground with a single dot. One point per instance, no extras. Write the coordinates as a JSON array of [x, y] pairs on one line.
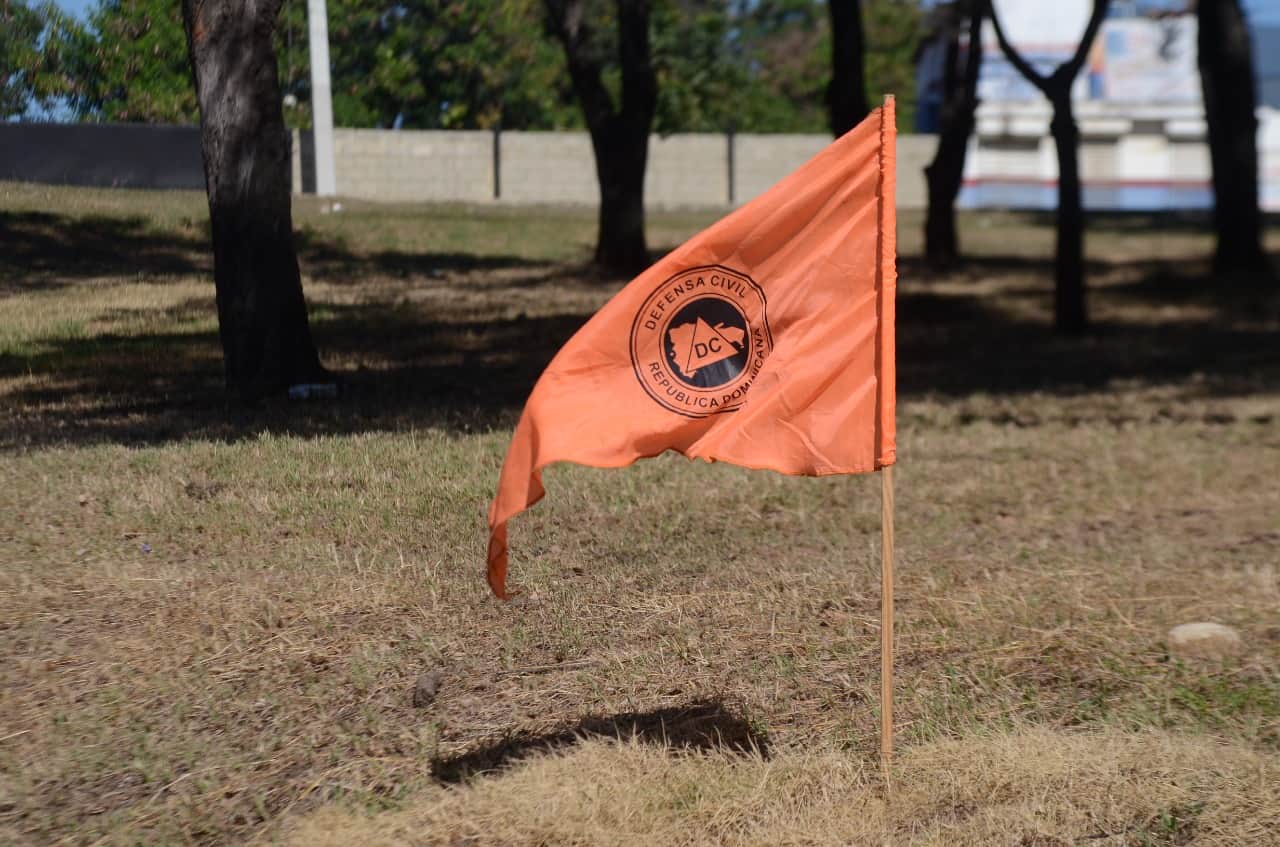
[[425, 689], [1203, 640]]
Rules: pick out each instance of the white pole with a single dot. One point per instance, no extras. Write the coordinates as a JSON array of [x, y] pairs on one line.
[[321, 98]]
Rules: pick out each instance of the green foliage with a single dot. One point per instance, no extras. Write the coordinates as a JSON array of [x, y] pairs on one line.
[[750, 65], [135, 68], [440, 64], [785, 49], [698, 79], [893, 29], [20, 30], [763, 66], [128, 64], [32, 67]]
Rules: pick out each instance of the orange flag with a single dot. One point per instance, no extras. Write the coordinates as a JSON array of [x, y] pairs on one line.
[[764, 341]]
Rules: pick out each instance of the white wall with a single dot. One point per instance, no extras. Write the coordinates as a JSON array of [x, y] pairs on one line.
[[1135, 157]]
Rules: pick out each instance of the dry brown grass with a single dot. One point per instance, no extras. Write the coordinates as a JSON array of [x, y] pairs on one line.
[[1032, 787], [211, 619]]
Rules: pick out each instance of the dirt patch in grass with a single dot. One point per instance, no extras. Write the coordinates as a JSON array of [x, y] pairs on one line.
[[212, 619]]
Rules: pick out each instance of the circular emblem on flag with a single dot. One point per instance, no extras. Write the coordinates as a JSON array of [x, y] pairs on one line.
[[700, 339]]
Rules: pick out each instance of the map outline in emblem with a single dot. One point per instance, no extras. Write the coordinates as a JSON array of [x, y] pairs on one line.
[[705, 344]]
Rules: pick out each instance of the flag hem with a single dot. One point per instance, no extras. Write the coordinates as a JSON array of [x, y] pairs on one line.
[[886, 288]]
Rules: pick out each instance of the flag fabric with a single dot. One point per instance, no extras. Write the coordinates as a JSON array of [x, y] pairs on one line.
[[765, 341]]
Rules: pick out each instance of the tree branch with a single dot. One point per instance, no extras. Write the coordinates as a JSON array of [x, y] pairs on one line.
[[973, 59], [1015, 58], [567, 22], [1086, 41], [639, 84]]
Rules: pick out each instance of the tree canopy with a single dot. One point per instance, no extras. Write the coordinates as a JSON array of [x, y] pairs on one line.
[[33, 45], [750, 65], [130, 64], [436, 64]]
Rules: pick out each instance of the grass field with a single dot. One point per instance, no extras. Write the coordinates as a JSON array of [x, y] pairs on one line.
[[212, 619]]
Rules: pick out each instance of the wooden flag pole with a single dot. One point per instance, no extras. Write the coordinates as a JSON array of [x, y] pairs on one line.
[[886, 614]]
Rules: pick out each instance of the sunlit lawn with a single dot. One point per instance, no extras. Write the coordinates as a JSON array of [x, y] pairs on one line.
[[212, 619]]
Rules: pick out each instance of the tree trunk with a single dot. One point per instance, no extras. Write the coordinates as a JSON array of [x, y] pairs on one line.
[[262, 317], [619, 135], [1230, 103], [1070, 313], [945, 174], [620, 165], [847, 91], [1069, 308]]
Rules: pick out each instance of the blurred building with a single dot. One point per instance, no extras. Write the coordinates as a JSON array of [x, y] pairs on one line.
[[1266, 55], [1137, 99]]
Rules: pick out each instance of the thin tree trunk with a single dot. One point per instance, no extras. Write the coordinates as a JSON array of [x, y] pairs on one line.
[[945, 174], [1070, 311], [1230, 103], [262, 317], [1069, 307], [619, 135], [847, 91]]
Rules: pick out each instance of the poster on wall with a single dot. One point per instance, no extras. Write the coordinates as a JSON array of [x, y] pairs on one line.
[[1150, 61], [1133, 60]]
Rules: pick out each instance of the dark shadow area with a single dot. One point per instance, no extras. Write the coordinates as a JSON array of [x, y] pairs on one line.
[[1167, 324], [335, 263], [457, 340], [461, 375], [1179, 221], [43, 250], [1197, 221], [699, 726]]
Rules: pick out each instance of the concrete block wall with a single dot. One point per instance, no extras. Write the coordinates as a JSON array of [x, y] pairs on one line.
[[687, 171], [409, 165], [761, 160], [1127, 161], [914, 153], [1144, 158], [555, 168]]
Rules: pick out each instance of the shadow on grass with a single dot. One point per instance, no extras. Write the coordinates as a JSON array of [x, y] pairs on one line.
[[43, 250], [445, 351], [1199, 221], [1166, 326], [334, 262], [700, 726], [137, 389]]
